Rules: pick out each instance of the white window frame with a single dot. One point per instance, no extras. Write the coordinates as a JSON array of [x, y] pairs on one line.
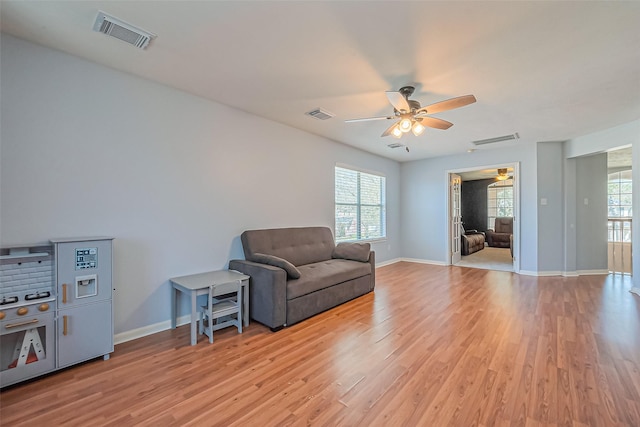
[[492, 212], [359, 205], [619, 226]]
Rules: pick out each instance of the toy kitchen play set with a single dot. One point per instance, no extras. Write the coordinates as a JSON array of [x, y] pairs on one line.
[[55, 306]]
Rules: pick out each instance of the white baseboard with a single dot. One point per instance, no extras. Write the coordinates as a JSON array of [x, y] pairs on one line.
[[149, 330], [528, 273], [424, 261], [570, 274], [564, 273], [592, 272], [385, 263], [540, 273], [635, 290]]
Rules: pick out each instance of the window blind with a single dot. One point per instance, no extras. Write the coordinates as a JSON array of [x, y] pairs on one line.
[[360, 205]]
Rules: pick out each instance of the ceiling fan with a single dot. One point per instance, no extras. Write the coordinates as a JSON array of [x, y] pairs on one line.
[[412, 117]]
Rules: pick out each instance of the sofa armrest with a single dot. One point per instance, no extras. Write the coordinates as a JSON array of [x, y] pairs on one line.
[[489, 236], [267, 292], [372, 261]]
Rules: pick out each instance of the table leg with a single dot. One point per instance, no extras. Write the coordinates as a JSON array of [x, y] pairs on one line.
[[194, 320], [174, 307], [245, 302]]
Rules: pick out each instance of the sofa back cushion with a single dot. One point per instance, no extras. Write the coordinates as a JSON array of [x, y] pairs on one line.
[[355, 251], [504, 225], [298, 245]]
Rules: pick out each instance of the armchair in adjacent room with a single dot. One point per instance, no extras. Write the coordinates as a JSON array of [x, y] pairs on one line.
[[472, 241], [500, 235]]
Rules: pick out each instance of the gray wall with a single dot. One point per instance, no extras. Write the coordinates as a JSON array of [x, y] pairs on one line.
[[87, 150], [570, 216], [550, 215], [624, 135], [591, 208], [636, 212], [424, 201], [474, 206]]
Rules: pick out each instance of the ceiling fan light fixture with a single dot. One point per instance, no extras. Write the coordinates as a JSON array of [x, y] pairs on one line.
[[502, 174], [412, 117], [405, 125], [417, 128]]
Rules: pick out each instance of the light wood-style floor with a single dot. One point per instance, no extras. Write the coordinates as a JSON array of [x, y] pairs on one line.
[[433, 346]]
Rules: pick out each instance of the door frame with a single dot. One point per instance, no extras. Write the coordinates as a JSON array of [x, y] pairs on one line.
[[516, 208], [455, 218]]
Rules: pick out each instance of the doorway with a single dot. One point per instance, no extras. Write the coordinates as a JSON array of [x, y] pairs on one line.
[[487, 193], [619, 210]]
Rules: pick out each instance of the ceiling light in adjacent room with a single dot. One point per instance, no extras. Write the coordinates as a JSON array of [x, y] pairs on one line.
[[502, 174]]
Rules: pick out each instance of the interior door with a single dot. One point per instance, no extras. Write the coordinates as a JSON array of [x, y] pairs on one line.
[[456, 218]]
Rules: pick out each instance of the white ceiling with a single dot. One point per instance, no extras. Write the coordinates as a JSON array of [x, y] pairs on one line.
[[548, 70]]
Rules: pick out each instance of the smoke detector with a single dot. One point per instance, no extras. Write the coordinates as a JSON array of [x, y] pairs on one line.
[[114, 27]]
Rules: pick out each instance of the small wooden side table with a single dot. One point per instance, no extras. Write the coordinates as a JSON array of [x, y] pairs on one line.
[[198, 284]]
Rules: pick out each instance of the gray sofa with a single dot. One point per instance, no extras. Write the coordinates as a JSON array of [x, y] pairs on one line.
[[299, 272]]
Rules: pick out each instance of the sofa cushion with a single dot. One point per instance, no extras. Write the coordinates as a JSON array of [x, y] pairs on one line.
[[292, 271], [298, 245], [324, 274], [353, 251]]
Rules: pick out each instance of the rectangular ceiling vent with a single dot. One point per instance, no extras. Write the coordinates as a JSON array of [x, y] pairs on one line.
[[320, 114], [497, 139], [395, 145], [121, 30]]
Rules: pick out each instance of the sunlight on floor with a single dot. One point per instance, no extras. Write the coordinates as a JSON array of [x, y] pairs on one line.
[[488, 259]]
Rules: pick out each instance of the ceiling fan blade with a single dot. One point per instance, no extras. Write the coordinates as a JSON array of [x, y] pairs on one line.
[[449, 104], [432, 122], [389, 129], [369, 119], [398, 101]]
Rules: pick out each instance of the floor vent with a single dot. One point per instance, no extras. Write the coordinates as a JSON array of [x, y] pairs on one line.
[[320, 114], [121, 30], [497, 139]]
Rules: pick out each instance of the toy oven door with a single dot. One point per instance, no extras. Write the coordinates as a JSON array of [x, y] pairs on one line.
[[27, 347]]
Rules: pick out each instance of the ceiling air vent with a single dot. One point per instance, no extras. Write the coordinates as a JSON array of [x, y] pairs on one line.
[[398, 145], [121, 30], [320, 114], [497, 139]]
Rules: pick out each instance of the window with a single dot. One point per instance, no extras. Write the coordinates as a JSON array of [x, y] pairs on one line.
[[360, 205], [499, 201], [619, 194], [619, 206]]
